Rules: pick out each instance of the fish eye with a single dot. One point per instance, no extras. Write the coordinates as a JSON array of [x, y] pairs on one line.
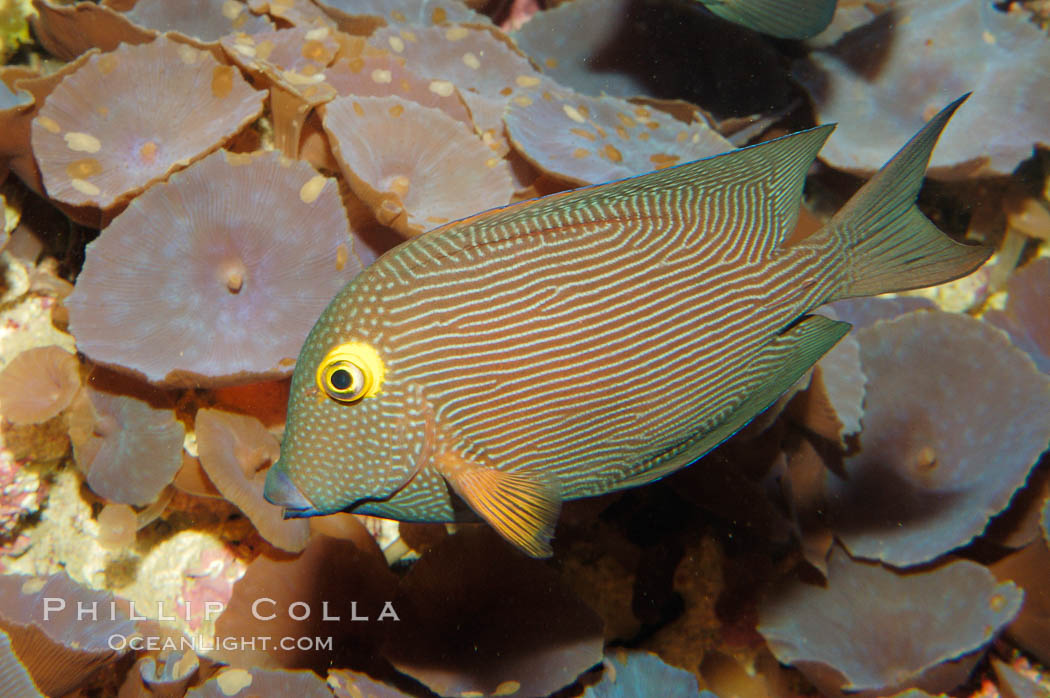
[[343, 381], [350, 372]]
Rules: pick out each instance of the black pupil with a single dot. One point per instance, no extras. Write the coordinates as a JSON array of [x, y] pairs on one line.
[[341, 379]]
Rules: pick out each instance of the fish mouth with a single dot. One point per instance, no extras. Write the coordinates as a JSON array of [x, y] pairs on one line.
[[281, 491]]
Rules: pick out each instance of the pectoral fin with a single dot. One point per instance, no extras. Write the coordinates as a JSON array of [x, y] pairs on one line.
[[777, 367], [522, 507]]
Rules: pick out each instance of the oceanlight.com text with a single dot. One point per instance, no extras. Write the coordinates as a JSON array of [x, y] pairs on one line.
[[200, 643]]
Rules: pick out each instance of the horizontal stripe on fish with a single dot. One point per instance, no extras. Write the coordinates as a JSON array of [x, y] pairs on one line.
[[531, 397]]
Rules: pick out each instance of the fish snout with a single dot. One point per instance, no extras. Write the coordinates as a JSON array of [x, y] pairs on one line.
[[281, 491]]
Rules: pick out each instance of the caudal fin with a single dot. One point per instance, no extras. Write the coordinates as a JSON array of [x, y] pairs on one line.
[[888, 243]]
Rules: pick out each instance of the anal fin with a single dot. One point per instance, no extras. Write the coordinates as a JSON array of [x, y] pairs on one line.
[[521, 507], [778, 365]]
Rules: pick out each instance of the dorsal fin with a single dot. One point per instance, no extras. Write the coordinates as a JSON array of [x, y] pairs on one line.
[[756, 190]]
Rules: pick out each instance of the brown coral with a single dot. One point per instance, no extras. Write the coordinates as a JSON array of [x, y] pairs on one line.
[[330, 579], [201, 284], [235, 450], [480, 617], [96, 137], [38, 384], [586, 140], [415, 166], [873, 631], [59, 649], [127, 449]]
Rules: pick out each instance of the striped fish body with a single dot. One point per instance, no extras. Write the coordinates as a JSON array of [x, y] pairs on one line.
[[591, 340]]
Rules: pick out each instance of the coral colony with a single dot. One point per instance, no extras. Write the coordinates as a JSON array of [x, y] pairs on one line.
[[185, 186]]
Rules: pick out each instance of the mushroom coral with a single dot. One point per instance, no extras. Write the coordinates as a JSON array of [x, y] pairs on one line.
[[631, 674], [15, 681], [882, 81], [417, 12], [117, 525], [385, 75], [127, 449], [97, 137], [38, 384], [1014, 684], [69, 30], [873, 631], [204, 284], [235, 451], [863, 312], [302, 596], [587, 140], [201, 22], [1029, 569], [28, 92], [294, 12], [164, 676], [920, 484], [479, 618], [627, 48], [833, 403], [481, 62], [261, 683], [58, 645], [415, 166], [351, 684], [292, 63], [1026, 316]]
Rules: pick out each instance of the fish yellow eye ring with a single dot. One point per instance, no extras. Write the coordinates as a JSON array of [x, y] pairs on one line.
[[350, 372]]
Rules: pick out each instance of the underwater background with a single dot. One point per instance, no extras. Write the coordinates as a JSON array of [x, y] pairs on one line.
[[187, 183]]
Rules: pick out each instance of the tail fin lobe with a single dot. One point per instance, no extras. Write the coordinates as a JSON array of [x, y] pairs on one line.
[[889, 244]]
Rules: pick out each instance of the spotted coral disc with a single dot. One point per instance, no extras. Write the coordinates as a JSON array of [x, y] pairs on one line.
[[415, 166], [203, 21], [217, 275], [98, 137], [587, 140], [418, 12]]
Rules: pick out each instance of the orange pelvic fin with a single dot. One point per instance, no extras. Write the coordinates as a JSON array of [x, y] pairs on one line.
[[522, 507]]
